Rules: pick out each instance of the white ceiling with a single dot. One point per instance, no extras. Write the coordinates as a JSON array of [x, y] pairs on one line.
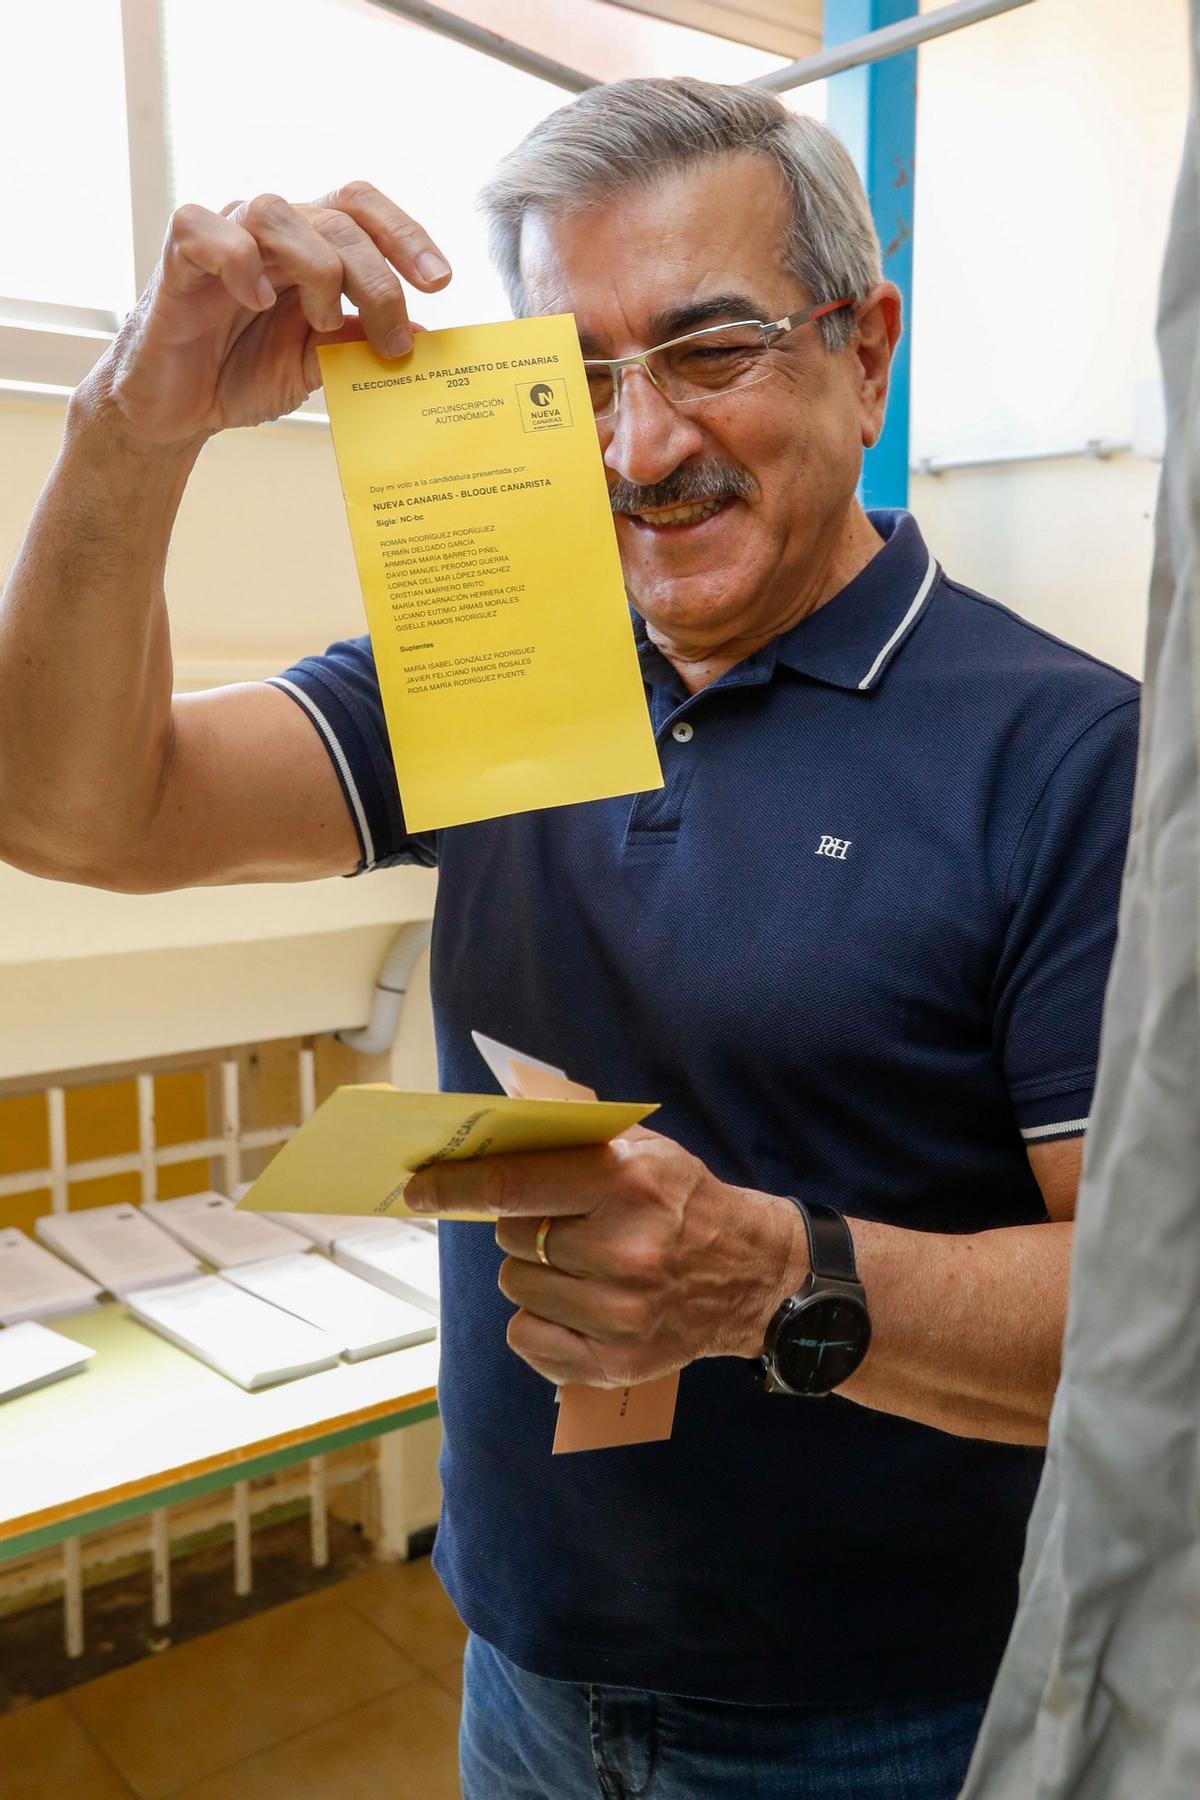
[[789, 28]]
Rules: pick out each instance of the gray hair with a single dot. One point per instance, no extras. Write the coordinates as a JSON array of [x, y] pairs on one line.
[[628, 133]]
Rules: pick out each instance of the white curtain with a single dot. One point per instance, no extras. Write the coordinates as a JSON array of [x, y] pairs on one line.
[[1098, 1697]]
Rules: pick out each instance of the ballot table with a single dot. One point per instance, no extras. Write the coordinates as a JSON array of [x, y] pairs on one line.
[[146, 1425]]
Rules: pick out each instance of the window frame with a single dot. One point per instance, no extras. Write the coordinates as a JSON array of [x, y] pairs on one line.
[[46, 346]]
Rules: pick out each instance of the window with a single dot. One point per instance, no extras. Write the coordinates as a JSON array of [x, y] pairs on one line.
[[285, 96], [323, 91], [66, 238]]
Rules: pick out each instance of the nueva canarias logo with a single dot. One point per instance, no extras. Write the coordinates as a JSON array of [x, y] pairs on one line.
[[544, 405]]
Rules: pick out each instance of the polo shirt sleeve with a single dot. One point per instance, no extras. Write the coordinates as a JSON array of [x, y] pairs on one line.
[[339, 693], [1062, 895]]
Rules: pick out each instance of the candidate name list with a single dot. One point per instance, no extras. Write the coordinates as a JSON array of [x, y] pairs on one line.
[[450, 576]]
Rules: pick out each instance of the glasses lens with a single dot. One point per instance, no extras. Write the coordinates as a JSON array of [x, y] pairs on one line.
[[711, 361], [602, 390], [694, 369]]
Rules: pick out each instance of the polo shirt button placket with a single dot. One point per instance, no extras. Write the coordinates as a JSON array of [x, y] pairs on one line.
[[657, 814]]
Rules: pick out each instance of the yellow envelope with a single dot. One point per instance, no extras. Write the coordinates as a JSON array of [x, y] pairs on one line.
[[485, 547], [362, 1147]]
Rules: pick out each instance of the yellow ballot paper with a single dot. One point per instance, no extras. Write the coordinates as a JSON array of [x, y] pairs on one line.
[[488, 560], [361, 1148]]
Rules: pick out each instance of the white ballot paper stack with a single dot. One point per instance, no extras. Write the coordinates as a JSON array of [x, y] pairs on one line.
[[327, 1229], [117, 1246], [214, 1228], [36, 1285], [32, 1357], [401, 1258], [322, 1229], [361, 1318], [240, 1336]]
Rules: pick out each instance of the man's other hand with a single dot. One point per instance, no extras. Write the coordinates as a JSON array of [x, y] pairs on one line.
[[228, 329], [654, 1262]]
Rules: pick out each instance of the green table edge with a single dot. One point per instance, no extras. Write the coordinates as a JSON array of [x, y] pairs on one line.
[[244, 1469]]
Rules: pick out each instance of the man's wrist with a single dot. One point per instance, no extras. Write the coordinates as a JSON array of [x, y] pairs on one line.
[[784, 1267], [94, 418], [117, 488]]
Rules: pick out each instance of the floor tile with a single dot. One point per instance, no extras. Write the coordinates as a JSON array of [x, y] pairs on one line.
[[408, 1603], [403, 1746], [175, 1718], [45, 1754]]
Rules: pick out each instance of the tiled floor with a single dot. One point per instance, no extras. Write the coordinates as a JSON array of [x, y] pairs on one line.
[[348, 1694]]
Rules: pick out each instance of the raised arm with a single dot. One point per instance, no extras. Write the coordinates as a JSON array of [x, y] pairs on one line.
[[104, 779]]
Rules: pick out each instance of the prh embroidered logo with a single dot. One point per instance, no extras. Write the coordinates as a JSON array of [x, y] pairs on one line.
[[835, 847], [544, 405]]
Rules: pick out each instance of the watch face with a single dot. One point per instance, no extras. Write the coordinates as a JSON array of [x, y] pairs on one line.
[[822, 1343]]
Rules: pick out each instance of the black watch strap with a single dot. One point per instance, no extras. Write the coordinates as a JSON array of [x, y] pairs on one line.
[[830, 1245]]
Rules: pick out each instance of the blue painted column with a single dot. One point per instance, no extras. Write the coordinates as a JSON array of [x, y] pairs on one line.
[[874, 112]]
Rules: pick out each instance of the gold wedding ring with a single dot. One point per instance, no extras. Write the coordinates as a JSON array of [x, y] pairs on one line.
[[539, 1242]]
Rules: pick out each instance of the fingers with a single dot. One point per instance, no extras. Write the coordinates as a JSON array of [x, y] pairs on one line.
[[560, 1182], [355, 242], [565, 1243], [561, 1354], [518, 1236], [615, 1249], [369, 280], [597, 1309], [296, 255], [377, 243], [552, 1296], [406, 245], [349, 332], [201, 244]]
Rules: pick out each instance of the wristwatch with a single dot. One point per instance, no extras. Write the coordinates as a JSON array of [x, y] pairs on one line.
[[820, 1334]]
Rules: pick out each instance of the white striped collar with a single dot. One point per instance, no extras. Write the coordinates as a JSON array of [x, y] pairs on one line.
[[851, 641]]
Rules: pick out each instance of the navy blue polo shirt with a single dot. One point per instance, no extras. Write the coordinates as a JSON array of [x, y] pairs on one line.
[[857, 948]]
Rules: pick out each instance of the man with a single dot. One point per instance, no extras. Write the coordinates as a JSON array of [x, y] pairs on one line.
[[856, 947]]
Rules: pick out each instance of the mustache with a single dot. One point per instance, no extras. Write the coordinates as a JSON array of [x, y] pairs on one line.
[[683, 487]]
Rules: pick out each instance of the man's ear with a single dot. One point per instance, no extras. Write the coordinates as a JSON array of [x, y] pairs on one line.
[[879, 322]]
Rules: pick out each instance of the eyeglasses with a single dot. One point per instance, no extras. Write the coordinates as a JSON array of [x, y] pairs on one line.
[[701, 366]]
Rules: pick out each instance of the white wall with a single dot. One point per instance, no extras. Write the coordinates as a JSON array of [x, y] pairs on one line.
[[1067, 544], [260, 570], [1048, 145], [260, 573]]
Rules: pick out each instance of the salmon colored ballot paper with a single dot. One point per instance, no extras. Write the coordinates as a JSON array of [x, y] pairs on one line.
[[485, 546], [588, 1418]]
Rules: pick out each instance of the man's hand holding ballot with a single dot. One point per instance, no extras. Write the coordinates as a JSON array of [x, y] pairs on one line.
[[228, 331], [648, 1262], [231, 784]]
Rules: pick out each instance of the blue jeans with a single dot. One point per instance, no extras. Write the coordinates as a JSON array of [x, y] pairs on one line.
[[526, 1738]]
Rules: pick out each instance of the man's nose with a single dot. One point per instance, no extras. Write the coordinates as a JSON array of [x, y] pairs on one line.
[[648, 437]]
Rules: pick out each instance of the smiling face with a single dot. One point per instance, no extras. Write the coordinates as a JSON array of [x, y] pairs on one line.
[[736, 517]]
